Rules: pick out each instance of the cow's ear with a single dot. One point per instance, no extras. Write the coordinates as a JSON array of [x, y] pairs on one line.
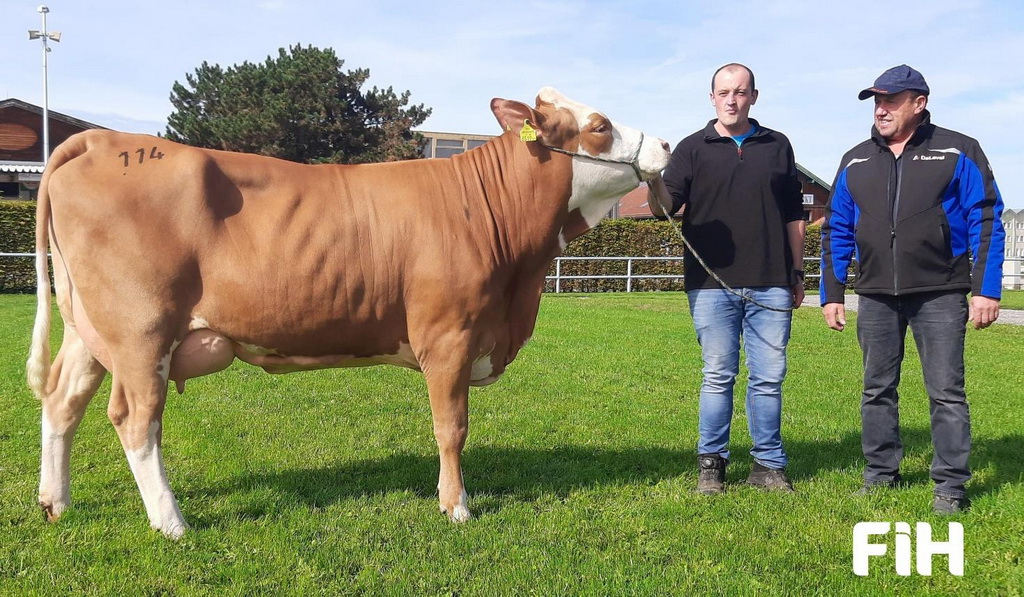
[[511, 115]]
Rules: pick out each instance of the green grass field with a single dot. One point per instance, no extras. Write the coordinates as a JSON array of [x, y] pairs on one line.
[[1012, 299], [580, 468]]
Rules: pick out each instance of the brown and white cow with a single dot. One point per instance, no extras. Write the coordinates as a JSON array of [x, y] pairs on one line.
[[171, 261]]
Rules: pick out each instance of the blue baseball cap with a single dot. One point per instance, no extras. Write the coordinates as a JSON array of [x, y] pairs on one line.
[[896, 79]]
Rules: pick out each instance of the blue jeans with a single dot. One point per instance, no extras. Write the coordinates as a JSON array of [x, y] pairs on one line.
[[720, 319], [939, 322]]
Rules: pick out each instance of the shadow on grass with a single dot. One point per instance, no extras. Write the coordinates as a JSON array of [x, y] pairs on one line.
[[528, 475], [525, 474], [999, 456]]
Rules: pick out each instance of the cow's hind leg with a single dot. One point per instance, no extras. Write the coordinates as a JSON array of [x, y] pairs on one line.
[[74, 378], [136, 409], [449, 404]]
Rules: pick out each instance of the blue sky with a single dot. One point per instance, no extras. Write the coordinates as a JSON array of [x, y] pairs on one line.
[[646, 64]]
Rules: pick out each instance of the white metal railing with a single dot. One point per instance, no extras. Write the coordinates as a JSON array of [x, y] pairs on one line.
[[629, 276]]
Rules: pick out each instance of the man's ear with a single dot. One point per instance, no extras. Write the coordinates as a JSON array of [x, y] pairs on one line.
[[920, 103], [512, 114]]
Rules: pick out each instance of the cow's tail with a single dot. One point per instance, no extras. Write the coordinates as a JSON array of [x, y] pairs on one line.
[[38, 366]]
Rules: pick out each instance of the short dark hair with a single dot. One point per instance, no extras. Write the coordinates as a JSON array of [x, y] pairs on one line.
[[733, 65]]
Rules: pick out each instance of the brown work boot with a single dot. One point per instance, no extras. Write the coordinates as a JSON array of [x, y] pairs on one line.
[[711, 480], [771, 479]]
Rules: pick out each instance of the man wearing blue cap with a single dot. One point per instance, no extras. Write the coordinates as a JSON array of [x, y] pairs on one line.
[[912, 201]]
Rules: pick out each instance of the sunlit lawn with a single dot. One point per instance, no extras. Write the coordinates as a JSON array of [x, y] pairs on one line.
[[580, 468]]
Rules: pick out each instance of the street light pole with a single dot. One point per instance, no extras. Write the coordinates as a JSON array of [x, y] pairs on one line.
[[45, 36]]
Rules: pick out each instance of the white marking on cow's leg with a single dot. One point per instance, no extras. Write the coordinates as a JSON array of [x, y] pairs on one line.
[[147, 465], [449, 405], [460, 512], [136, 407], [54, 472], [78, 376]]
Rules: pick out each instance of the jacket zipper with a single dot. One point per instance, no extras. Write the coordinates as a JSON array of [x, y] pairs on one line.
[[947, 243], [895, 211], [739, 146]]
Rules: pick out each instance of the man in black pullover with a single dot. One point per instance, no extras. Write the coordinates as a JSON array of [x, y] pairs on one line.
[[737, 182], [911, 201]]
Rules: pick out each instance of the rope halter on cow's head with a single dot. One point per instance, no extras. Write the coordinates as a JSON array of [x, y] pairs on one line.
[[633, 162], [591, 132]]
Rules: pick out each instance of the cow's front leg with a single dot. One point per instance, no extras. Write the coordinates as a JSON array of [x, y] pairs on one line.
[[136, 410], [449, 403]]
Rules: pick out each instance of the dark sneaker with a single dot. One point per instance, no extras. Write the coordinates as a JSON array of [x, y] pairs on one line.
[[949, 505], [771, 479], [870, 487], [711, 480]]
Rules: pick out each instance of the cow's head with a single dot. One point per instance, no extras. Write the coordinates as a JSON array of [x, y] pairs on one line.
[[608, 159]]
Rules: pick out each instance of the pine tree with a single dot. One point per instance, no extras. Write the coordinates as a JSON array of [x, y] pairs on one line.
[[300, 106]]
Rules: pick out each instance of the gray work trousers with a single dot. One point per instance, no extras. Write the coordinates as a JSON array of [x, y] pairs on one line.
[[938, 321]]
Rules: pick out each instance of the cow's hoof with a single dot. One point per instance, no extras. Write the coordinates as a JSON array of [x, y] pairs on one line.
[[51, 512], [460, 514], [457, 513], [174, 531]]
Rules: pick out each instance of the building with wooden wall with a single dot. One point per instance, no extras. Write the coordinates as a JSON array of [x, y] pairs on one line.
[[21, 145]]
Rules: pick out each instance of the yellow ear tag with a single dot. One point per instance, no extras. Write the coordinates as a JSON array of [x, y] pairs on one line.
[[527, 133]]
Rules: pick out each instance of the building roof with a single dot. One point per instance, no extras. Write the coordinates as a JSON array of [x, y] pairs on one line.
[[814, 178], [17, 103], [36, 167]]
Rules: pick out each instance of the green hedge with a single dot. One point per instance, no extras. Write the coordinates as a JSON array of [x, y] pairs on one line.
[[644, 238], [622, 238], [17, 235], [812, 248], [611, 238]]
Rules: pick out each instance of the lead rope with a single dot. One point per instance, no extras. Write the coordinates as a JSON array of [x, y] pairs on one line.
[[634, 163], [720, 281]]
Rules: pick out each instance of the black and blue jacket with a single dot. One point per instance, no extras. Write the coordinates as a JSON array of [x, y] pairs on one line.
[[911, 220]]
